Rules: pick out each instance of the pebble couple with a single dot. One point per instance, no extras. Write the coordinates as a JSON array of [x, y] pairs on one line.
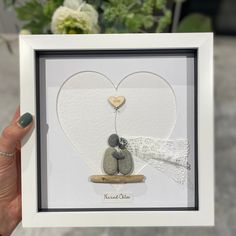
[[117, 159]]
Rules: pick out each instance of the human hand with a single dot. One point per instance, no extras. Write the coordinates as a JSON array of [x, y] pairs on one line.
[[10, 184]]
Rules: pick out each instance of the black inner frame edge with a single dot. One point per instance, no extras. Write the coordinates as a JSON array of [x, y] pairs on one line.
[[106, 52]]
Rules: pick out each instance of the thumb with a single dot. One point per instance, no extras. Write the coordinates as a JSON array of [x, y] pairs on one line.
[[13, 133]]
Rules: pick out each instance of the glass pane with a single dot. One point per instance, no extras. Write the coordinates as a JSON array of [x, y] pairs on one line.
[[147, 98]]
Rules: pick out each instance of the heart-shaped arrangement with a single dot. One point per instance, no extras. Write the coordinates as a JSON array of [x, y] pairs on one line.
[[144, 103]]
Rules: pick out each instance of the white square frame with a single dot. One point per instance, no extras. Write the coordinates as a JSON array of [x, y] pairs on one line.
[[203, 43]]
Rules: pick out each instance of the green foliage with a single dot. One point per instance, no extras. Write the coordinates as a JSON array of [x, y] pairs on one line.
[[50, 6], [96, 3], [195, 23], [37, 16], [115, 16], [123, 16], [164, 21], [160, 4]]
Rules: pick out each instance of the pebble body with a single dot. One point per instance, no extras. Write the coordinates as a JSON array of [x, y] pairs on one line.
[[126, 165], [110, 164], [113, 140]]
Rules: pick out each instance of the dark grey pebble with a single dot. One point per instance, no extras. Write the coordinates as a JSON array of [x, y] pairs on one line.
[[118, 155], [126, 165], [113, 140], [122, 143], [110, 164]]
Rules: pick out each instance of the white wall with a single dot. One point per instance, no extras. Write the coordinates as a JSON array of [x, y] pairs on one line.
[[8, 21]]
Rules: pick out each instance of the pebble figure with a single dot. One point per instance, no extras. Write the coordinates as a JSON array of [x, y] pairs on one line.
[[117, 159]]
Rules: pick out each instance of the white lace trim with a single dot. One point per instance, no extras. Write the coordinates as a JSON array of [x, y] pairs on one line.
[[168, 156]]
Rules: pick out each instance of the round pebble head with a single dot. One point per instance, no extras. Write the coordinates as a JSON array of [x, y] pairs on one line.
[[113, 140], [122, 143], [122, 146]]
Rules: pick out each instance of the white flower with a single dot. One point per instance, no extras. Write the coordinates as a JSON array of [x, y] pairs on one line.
[[89, 9], [75, 17], [72, 4]]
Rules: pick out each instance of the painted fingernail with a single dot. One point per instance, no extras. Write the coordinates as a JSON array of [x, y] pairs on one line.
[[25, 120]]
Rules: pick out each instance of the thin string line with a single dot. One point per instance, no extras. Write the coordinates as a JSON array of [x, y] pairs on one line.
[[116, 111]]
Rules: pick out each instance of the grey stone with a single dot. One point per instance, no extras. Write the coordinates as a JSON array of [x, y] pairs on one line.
[[110, 164], [123, 143], [118, 155], [126, 165], [113, 140]]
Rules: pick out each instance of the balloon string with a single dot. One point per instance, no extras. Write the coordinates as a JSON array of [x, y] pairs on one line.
[[116, 111]]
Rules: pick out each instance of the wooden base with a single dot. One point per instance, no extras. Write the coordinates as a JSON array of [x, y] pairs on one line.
[[117, 179]]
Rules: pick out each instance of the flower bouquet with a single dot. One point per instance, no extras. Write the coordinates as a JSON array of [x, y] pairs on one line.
[[83, 17]]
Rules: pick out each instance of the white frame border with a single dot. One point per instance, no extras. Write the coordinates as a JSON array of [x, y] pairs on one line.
[[203, 42]]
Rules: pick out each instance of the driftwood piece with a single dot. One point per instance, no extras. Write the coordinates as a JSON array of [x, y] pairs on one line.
[[117, 179]]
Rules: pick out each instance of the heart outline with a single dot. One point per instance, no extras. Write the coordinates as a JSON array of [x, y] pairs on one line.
[[116, 87]]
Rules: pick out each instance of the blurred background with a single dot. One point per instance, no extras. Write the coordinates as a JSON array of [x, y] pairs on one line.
[[122, 16]]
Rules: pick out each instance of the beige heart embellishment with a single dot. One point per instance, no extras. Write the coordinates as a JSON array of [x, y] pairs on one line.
[[116, 102]]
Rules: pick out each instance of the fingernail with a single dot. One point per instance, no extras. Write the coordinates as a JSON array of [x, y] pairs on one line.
[[25, 120]]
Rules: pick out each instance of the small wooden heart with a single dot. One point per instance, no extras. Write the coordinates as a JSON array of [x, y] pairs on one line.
[[116, 102]]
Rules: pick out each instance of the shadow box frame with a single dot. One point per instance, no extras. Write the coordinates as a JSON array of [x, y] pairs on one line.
[[202, 44]]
